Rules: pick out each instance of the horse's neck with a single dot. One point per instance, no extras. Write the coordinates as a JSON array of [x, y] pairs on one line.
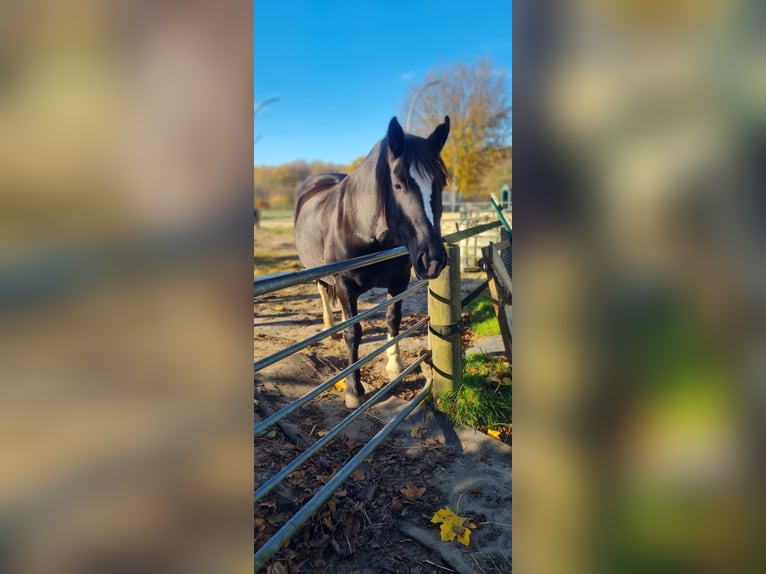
[[365, 209]]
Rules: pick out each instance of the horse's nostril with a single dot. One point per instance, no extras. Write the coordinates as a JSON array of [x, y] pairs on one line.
[[423, 260], [432, 268]]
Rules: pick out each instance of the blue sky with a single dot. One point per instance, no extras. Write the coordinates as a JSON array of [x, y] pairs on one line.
[[342, 69]]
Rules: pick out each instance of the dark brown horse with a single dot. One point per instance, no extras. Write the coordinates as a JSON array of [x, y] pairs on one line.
[[393, 198]]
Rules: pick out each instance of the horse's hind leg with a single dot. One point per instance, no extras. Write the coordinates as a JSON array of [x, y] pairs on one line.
[[352, 335], [324, 295], [394, 366]]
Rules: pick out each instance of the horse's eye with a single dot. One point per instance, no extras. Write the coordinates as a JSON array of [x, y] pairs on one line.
[[397, 186]]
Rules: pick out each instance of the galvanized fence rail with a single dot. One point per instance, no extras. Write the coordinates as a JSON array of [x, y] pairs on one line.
[[444, 300]]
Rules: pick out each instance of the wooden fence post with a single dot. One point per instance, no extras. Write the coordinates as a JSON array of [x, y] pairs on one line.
[[444, 330]]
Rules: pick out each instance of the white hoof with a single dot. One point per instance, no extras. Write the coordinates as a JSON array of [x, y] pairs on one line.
[[352, 402]]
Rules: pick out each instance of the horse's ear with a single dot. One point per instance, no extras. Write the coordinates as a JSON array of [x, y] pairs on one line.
[[395, 137], [439, 136]]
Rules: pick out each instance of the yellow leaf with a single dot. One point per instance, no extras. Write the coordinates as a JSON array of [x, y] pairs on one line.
[[340, 385], [453, 527], [494, 433]]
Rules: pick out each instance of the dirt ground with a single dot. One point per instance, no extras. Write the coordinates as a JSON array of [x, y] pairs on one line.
[[367, 526]]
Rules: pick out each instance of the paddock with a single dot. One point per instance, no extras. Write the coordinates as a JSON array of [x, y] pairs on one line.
[[286, 308]]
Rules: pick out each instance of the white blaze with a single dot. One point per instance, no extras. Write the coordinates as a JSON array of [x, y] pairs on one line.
[[425, 184]]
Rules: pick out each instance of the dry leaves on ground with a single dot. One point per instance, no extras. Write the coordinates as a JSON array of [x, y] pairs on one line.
[[412, 492]]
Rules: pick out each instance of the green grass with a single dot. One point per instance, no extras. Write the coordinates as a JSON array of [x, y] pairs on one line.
[[483, 318], [280, 229], [484, 400], [276, 214]]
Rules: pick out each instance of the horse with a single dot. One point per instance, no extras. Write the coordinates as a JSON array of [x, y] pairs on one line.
[[394, 198]]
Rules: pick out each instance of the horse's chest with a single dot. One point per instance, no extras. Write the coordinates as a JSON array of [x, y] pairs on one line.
[[382, 274]]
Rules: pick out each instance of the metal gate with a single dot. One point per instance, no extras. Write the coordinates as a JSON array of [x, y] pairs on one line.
[[446, 336]]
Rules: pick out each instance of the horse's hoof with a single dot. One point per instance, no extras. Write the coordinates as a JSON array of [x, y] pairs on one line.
[[353, 402]]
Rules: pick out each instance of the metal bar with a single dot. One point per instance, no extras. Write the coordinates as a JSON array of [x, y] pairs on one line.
[[279, 355], [474, 294], [500, 215], [460, 235], [309, 452], [280, 414], [277, 281], [275, 542]]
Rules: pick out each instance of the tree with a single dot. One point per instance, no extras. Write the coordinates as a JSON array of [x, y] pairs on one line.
[[475, 98], [276, 185], [500, 174]]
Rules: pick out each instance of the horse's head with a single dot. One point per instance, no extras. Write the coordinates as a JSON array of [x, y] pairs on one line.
[[414, 205]]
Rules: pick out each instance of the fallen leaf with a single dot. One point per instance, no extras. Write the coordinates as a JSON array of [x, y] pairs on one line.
[[431, 442], [412, 492], [453, 527], [277, 568], [341, 492], [396, 504], [340, 386], [416, 432], [357, 475], [279, 309], [494, 433]]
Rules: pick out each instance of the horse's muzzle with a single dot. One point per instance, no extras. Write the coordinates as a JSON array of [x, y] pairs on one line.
[[430, 262]]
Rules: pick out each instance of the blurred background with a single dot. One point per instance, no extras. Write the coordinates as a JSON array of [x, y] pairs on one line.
[[638, 413], [125, 361]]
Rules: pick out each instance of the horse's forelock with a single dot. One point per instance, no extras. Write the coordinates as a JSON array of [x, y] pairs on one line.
[[418, 154]]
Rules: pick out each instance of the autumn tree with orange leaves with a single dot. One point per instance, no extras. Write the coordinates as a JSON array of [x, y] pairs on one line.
[[474, 96]]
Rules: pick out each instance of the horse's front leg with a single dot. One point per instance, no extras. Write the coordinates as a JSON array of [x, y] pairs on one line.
[[394, 366], [352, 336]]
